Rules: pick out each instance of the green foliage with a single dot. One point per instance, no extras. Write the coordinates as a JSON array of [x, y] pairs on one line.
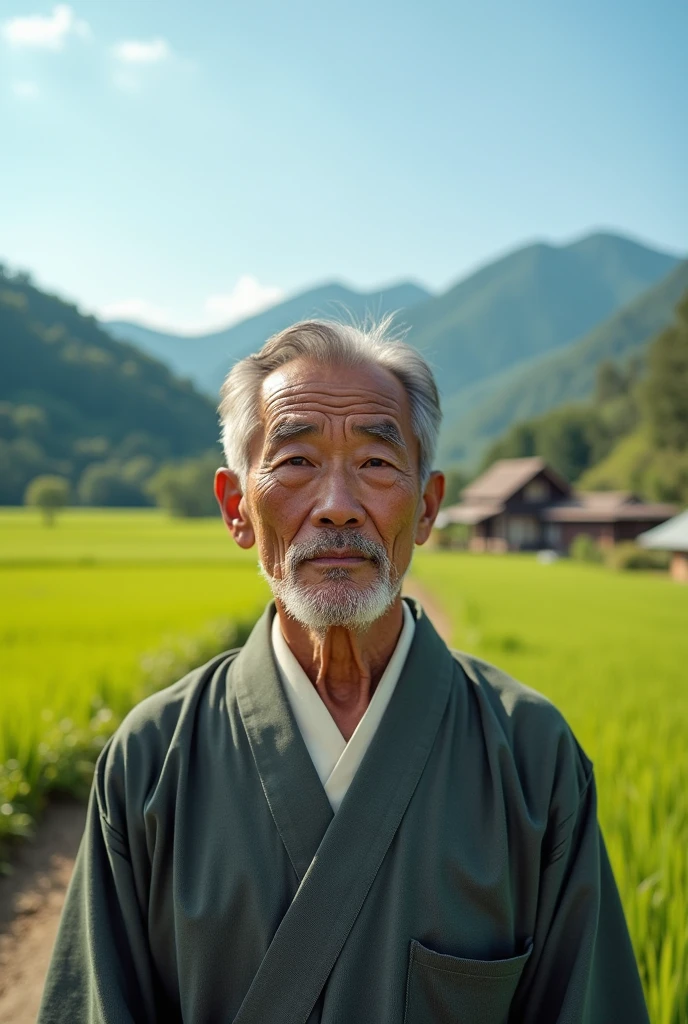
[[570, 439], [79, 608], [481, 412], [656, 474], [616, 380], [632, 436], [666, 476], [627, 556], [584, 548], [186, 488], [49, 494], [623, 469], [665, 391], [66, 753], [454, 482], [66, 384], [454, 535], [115, 484]]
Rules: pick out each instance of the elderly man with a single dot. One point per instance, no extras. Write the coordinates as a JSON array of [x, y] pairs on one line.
[[343, 822]]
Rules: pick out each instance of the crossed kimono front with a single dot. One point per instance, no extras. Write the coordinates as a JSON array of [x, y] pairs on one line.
[[463, 878]]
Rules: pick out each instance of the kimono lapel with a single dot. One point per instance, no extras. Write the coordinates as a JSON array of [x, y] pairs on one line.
[[315, 927], [294, 793]]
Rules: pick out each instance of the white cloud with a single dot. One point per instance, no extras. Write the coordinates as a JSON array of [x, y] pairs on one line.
[[135, 51], [133, 59], [25, 90], [246, 298], [47, 32]]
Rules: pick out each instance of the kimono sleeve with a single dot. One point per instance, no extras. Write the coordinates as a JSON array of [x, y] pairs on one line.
[[101, 966], [582, 969]]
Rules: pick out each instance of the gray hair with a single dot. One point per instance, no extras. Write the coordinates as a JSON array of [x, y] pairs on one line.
[[333, 343]]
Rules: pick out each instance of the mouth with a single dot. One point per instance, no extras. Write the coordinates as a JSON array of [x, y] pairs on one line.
[[340, 557]]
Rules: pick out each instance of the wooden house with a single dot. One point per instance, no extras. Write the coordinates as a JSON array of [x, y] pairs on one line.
[[523, 504]]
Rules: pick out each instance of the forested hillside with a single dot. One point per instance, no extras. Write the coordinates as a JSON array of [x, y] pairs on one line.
[[632, 435], [532, 301], [75, 402], [477, 415]]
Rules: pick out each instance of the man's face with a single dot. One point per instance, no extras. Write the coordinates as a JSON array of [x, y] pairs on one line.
[[333, 493]]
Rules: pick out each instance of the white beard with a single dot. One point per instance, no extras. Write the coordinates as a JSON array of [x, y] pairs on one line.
[[337, 600]]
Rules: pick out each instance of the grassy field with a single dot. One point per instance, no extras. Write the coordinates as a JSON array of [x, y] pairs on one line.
[[611, 651], [82, 601]]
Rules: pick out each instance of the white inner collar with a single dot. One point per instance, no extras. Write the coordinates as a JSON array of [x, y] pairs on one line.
[[335, 760]]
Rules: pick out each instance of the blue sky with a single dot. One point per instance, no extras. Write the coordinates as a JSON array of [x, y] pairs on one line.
[[183, 163]]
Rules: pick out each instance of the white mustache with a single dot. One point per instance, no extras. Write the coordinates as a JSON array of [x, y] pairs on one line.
[[327, 540]]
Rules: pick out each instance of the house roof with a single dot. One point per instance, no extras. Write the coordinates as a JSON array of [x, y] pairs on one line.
[[601, 512], [506, 476], [670, 536], [607, 499], [468, 514]]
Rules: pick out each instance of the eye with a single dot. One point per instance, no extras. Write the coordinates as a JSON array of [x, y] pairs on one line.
[[295, 460], [376, 463]]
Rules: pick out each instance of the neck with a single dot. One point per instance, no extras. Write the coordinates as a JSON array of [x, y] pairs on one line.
[[345, 666]]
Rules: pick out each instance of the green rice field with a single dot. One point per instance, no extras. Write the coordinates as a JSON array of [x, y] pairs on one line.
[[82, 602]]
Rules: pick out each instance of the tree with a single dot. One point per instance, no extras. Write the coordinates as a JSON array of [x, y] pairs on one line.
[[665, 393], [111, 484], [48, 493], [610, 381], [455, 481], [186, 488]]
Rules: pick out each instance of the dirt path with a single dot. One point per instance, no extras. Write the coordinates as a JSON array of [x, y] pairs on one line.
[[432, 609], [31, 899]]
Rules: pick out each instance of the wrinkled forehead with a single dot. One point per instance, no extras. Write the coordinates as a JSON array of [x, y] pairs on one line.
[[301, 388]]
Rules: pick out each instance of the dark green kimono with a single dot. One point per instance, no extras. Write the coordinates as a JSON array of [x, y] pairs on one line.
[[464, 878]]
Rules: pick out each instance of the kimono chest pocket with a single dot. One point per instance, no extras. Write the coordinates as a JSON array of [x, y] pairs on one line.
[[443, 989]]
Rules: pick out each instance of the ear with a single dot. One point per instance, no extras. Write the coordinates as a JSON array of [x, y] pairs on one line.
[[432, 499], [232, 504]]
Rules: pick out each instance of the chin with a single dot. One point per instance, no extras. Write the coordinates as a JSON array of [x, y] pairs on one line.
[[336, 602]]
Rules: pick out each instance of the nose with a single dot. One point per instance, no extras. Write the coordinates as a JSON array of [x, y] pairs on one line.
[[338, 504]]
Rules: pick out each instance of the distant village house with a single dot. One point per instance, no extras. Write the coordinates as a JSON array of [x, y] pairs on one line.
[[673, 537], [524, 505]]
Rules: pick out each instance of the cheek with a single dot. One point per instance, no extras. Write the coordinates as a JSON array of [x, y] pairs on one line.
[[396, 524], [276, 521]]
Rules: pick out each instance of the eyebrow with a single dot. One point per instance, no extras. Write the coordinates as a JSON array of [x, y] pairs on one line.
[[288, 430], [385, 431]]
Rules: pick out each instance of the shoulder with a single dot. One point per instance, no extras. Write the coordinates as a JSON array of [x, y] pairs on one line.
[[542, 745], [134, 756]]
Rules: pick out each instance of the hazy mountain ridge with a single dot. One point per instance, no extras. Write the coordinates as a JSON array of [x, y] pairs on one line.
[[509, 313], [206, 358], [477, 415], [75, 401], [529, 302]]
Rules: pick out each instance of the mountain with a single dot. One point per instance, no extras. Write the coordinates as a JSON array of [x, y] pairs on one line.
[[206, 358], [72, 396], [480, 413], [531, 301], [631, 434]]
